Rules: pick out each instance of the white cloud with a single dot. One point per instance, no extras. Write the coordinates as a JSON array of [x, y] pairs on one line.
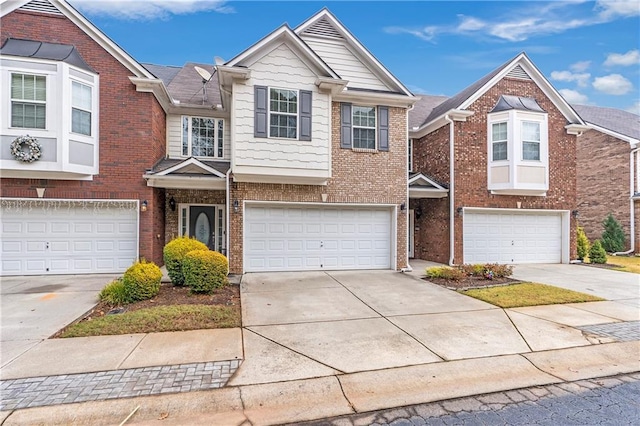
[[469, 23], [613, 84], [632, 57], [610, 9], [582, 79], [520, 30], [149, 9], [580, 66], [573, 97], [635, 108], [426, 33]]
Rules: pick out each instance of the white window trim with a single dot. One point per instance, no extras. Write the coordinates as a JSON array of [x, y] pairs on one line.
[[91, 111], [522, 141], [184, 215], [27, 101], [375, 128], [492, 142], [219, 142], [296, 114]]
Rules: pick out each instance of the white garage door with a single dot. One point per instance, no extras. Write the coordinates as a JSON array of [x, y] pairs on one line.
[[298, 238], [512, 237], [68, 237]]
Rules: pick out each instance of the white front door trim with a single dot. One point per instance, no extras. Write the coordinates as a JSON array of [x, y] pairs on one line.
[[184, 220], [565, 223]]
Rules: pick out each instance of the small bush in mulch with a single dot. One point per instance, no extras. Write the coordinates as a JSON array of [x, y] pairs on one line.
[[470, 276], [173, 254], [597, 254], [205, 270]]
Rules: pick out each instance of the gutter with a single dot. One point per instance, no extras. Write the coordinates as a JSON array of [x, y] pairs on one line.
[[451, 189], [408, 268], [632, 236], [228, 211]]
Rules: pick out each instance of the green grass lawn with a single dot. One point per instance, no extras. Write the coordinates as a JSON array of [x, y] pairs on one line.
[[158, 319], [528, 294], [625, 263]]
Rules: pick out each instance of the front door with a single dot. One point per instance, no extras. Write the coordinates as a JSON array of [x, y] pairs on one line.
[[202, 225]]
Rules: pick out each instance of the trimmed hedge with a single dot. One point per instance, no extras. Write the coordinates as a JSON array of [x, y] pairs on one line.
[[174, 253], [445, 272], [142, 280], [205, 270]]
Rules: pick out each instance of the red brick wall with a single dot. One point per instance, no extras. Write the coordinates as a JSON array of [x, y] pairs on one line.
[[603, 182], [471, 162], [132, 131]]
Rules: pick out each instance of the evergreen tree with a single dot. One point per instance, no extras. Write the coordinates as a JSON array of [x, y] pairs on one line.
[[597, 253], [613, 235], [583, 244]]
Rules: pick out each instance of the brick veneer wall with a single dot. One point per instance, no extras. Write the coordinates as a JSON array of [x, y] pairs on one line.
[[358, 178], [603, 182], [471, 163], [132, 131], [187, 196]]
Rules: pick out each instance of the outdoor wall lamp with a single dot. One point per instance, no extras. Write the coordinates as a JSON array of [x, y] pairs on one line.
[[143, 207], [235, 206], [172, 204], [403, 206], [459, 211], [575, 214], [418, 212]]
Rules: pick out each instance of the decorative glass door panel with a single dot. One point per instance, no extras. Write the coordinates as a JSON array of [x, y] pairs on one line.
[[207, 225]]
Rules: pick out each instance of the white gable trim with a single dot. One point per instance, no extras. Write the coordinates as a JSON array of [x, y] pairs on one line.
[[523, 60], [427, 180], [436, 191], [371, 61], [91, 30], [188, 162], [285, 35]]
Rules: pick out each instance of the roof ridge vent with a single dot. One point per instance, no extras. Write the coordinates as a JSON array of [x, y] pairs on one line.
[[518, 72], [42, 6], [322, 28]]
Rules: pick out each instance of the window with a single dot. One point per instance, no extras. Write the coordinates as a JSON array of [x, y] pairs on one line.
[[283, 113], [410, 152], [81, 108], [28, 101], [530, 141], [364, 127], [499, 141], [202, 137]]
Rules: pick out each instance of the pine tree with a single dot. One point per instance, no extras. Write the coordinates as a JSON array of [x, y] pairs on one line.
[[597, 254], [583, 243], [613, 235]]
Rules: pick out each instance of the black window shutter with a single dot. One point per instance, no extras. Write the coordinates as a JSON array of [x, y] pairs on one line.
[[305, 115], [261, 112], [345, 125], [383, 128]]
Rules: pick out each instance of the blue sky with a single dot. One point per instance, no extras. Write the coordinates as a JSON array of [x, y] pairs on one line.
[[589, 50]]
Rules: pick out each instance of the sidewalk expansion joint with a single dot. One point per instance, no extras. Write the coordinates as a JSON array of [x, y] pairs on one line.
[[103, 385]]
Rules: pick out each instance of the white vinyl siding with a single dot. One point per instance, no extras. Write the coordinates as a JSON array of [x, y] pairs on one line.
[[175, 137], [298, 238], [345, 63], [280, 153]]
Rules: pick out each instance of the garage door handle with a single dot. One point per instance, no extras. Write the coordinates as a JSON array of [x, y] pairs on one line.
[[47, 246]]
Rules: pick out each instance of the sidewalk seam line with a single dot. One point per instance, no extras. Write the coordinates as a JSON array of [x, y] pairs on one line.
[[345, 395], [119, 367], [517, 329]]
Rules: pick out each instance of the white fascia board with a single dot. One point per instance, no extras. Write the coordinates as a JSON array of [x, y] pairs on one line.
[[91, 30], [185, 182], [189, 162], [420, 176], [435, 124], [427, 193], [331, 85], [378, 98], [289, 36], [371, 60], [576, 129], [632, 141], [155, 86], [227, 75]]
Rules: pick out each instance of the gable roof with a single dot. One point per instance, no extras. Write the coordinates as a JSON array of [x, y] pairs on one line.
[[325, 23], [166, 73], [186, 86], [519, 67], [284, 34], [422, 108], [619, 122], [57, 7]]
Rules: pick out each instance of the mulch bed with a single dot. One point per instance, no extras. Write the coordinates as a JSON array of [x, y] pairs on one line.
[[601, 265], [169, 295], [471, 282]]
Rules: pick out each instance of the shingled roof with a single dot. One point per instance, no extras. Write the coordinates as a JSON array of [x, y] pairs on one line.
[[616, 120]]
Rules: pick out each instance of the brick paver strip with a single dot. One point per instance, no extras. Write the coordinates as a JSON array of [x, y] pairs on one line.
[[622, 331], [69, 388]]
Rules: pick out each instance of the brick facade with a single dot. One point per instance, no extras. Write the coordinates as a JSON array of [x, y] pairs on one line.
[[432, 158], [132, 131], [357, 178], [187, 196], [603, 183]]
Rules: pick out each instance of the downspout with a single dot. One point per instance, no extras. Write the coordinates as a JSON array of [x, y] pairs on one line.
[[228, 210], [632, 236], [408, 268], [451, 189]]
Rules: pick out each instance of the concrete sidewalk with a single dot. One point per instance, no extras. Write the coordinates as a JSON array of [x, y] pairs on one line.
[[318, 345]]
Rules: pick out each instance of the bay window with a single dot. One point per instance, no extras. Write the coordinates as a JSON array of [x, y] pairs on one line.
[[499, 141], [81, 106], [28, 101], [530, 140]]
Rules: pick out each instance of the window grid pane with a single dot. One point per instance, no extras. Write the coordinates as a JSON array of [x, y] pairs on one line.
[[283, 119], [530, 141], [80, 121], [220, 137], [28, 94], [364, 127], [531, 151], [499, 151], [203, 137], [185, 136]]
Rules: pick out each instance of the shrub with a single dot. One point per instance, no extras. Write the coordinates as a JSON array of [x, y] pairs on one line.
[[597, 253], [583, 244], [115, 293], [173, 254], [475, 270], [498, 271], [613, 236], [142, 280], [445, 272], [205, 270]]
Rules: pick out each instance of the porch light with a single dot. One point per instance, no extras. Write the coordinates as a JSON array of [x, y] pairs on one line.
[[143, 207], [235, 206], [459, 211], [403, 206], [417, 212], [575, 214], [172, 204]]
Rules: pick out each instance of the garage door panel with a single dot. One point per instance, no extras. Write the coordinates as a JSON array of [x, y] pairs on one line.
[[322, 238], [512, 237]]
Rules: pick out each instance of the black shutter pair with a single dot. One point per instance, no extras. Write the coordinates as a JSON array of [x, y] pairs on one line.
[[261, 114], [346, 124]]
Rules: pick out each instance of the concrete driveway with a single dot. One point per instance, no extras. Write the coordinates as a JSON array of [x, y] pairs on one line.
[[622, 287], [35, 307], [314, 324]]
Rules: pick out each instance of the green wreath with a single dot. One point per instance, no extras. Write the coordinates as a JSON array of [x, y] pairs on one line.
[[26, 149]]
